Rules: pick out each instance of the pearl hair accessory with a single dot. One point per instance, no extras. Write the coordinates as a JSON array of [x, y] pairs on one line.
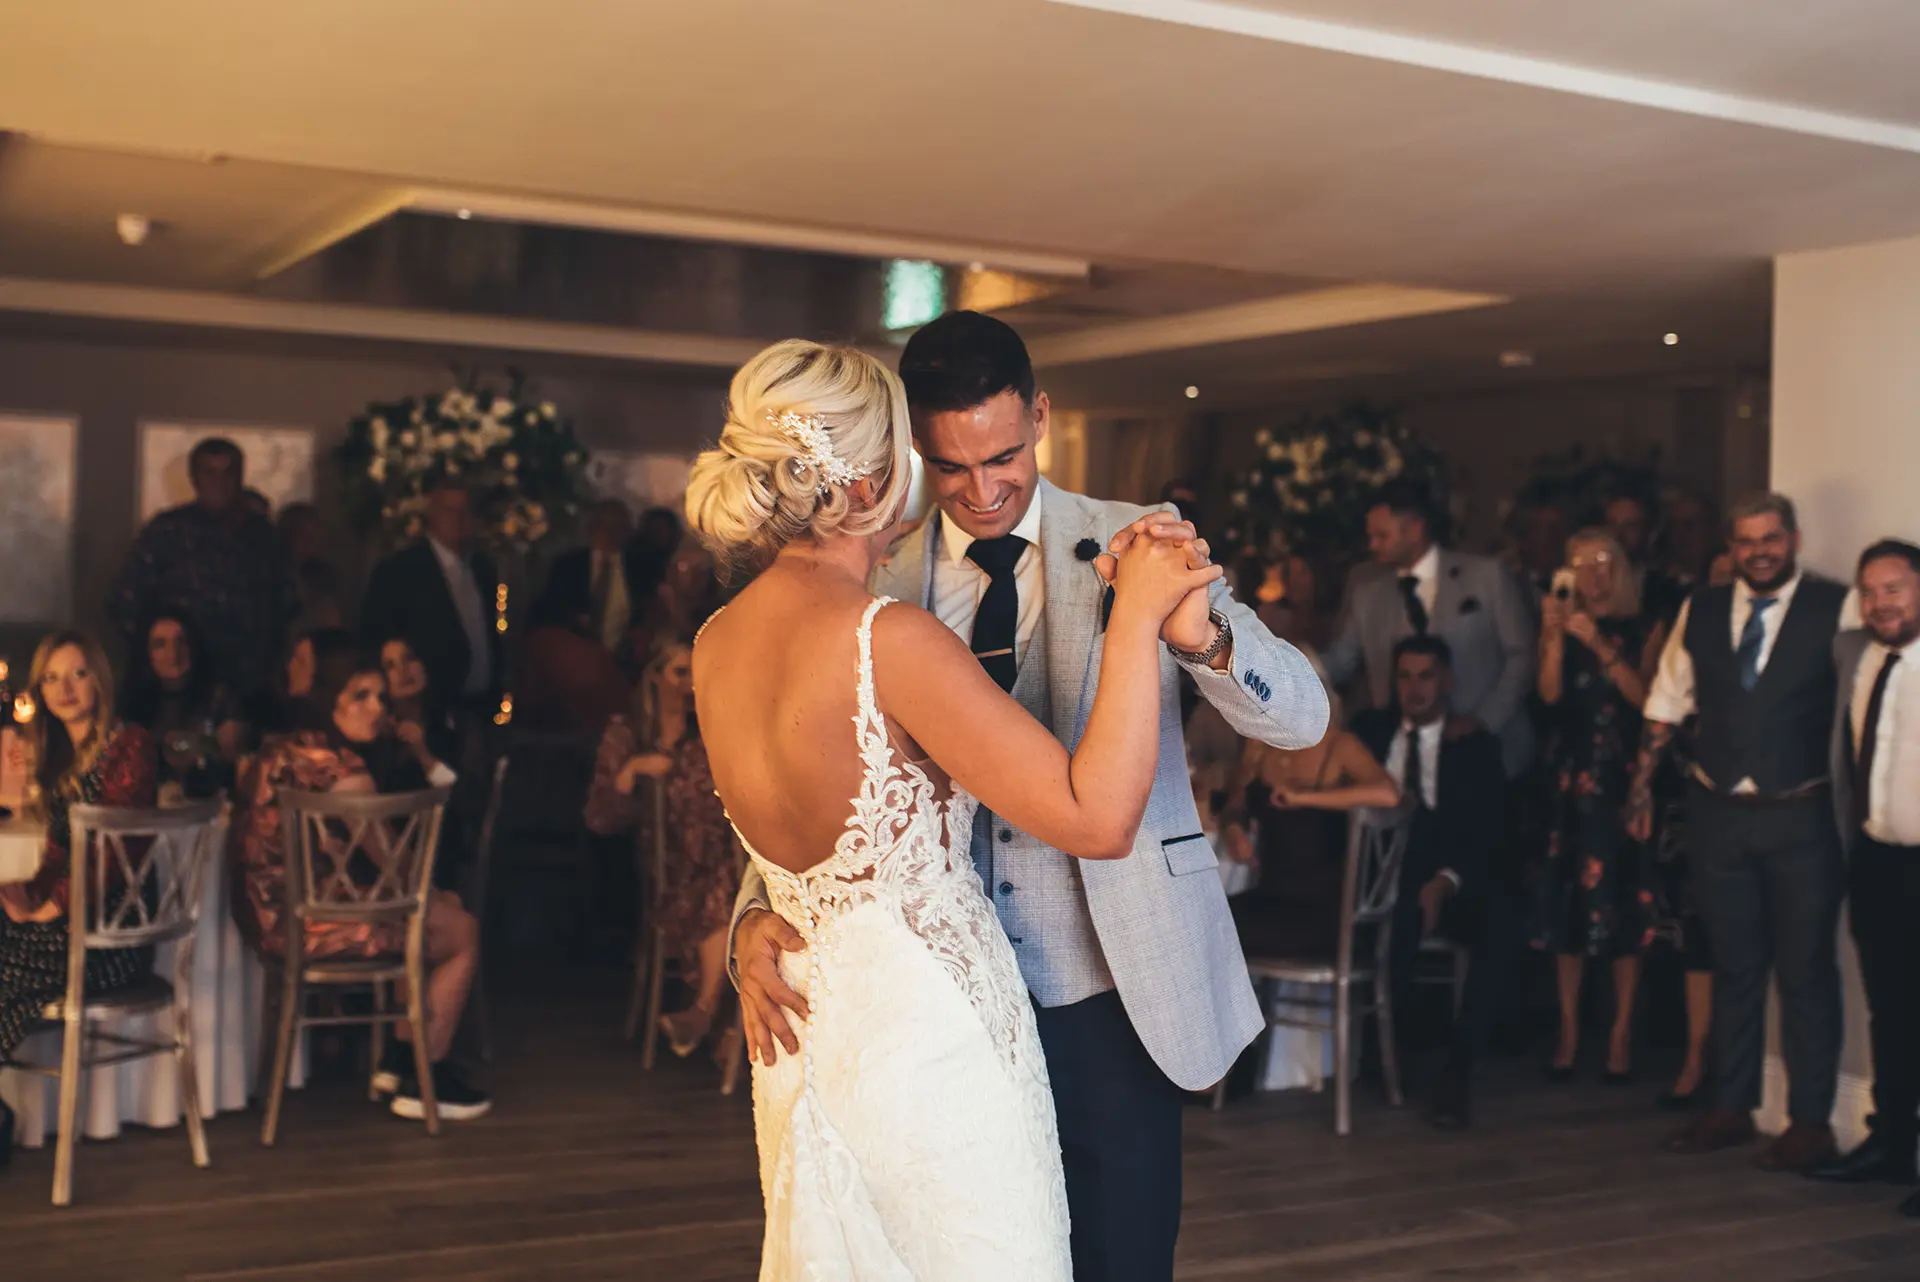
[[809, 432]]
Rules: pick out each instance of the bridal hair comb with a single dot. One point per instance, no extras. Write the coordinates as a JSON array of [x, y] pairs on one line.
[[809, 432]]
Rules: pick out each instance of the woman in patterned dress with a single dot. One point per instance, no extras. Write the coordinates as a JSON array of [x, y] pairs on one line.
[[1597, 655], [345, 743], [80, 753], [660, 739]]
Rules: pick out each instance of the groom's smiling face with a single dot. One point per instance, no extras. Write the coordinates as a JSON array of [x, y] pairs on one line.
[[981, 462]]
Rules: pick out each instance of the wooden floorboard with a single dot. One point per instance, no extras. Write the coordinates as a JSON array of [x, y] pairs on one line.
[[592, 1170]]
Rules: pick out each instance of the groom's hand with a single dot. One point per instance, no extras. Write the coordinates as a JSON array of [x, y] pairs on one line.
[[1190, 627], [1158, 525], [757, 944]]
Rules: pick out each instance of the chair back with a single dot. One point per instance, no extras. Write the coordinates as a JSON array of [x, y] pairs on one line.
[[1370, 887], [137, 873], [360, 857]]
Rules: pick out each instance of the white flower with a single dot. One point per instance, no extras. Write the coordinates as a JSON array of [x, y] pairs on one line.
[[1253, 477], [377, 429], [1262, 437], [408, 439], [377, 470], [1363, 437], [445, 440], [1276, 452], [1238, 498], [573, 458], [535, 512], [547, 410], [501, 407], [510, 461]]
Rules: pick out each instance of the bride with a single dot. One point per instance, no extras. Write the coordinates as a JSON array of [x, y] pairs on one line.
[[913, 1137]]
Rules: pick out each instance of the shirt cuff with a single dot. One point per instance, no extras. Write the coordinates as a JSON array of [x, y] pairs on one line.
[[442, 775], [733, 971], [1453, 877]]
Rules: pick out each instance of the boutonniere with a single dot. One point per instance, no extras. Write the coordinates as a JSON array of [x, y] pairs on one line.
[[1470, 605], [1088, 550]]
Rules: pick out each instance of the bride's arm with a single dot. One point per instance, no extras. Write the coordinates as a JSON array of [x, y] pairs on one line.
[[1088, 803]]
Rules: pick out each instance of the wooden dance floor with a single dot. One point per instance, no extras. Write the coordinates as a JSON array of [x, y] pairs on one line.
[[590, 1169]]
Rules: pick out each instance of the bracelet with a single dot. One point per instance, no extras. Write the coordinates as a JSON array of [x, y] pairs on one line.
[[1222, 638]]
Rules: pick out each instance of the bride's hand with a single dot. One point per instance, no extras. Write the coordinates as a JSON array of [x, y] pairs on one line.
[[1155, 574]]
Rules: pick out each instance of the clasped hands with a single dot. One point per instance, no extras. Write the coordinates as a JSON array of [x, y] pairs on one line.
[[1189, 626]]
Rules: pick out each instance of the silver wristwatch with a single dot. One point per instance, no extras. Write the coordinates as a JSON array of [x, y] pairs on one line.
[[1221, 640]]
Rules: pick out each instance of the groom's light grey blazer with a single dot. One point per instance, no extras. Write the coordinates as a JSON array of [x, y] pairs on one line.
[[1159, 916]]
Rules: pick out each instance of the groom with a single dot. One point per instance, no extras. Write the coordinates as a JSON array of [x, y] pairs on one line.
[[1136, 973]]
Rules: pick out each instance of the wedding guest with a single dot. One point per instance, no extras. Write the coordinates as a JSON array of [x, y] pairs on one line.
[[1876, 772], [196, 719], [598, 589], [660, 739], [343, 744], [1760, 824], [1539, 528], [1471, 602], [318, 591], [276, 710], [220, 563], [1630, 519], [80, 753], [441, 594], [1298, 800], [1597, 656], [1450, 768], [660, 532], [414, 720], [1690, 535]]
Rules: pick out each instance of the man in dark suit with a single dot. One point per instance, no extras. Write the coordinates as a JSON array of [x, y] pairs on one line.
[[1449, 768], [1875, 756], [442, 595], [600, 590]]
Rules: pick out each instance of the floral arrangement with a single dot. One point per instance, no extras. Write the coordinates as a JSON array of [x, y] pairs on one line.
[[520, 459], [1310, 485], [1585, 483]]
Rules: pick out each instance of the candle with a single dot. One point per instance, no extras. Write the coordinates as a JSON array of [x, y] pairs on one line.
[[505, 714]]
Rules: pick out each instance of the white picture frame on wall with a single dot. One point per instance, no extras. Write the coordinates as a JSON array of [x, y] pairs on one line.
[[37, 498], [279, 462]]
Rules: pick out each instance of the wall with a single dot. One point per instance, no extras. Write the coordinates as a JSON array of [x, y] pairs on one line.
[[1846, 386], [112, 384]]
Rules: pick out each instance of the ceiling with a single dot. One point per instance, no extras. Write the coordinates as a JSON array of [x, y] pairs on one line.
[[1616, 171]]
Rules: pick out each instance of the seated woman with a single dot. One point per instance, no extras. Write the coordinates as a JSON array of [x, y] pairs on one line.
[[660, 739], [79, 753], [413, 721], [196, 720], [1299, 799], [275, 711], [344, 743]]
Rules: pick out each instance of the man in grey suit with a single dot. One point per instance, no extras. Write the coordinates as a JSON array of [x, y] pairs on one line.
[[1133, 964], [1875, 758], [1473, 603]]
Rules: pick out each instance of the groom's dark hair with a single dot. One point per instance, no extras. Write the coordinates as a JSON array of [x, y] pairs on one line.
[[964, 359]]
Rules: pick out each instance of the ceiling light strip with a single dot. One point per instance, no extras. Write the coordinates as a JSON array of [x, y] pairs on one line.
[[1317, 309], [707, 227], [1518, 69]]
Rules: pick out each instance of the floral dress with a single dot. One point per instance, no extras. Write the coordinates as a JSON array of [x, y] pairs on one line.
[[310, 762], [1597, 892], [33, 954]]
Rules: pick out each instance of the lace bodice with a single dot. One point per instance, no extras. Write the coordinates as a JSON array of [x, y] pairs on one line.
[[908, 850]]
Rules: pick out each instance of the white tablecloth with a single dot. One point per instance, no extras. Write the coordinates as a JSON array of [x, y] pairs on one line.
[[226, 989]]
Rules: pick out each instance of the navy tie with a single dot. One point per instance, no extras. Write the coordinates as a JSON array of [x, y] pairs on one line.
[[997, 620], [1752, 638]]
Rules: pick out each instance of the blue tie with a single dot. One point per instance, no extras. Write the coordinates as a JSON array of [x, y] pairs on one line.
[[1752, 638]]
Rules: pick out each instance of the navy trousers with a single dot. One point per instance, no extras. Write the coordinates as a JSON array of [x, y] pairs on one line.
[[1120, 1141]]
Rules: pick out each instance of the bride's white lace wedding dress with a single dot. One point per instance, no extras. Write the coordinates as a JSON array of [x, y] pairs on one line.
[[913, 1137]]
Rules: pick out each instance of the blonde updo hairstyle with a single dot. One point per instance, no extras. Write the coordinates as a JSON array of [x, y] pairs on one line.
[[756, 492]]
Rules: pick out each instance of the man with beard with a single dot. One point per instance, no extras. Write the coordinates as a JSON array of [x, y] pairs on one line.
[[1876, 773], [1755, 660]]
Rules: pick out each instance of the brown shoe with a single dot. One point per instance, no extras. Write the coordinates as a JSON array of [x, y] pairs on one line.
[[1800, 1149], [1714, 1130]]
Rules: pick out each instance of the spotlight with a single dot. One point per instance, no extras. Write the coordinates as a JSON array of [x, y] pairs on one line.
[[1671, 339], [1193, 393], [1514, 358], [463, 214], [133, 228]]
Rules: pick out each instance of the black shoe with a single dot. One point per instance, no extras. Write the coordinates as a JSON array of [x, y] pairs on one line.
[[6, 1135], [1612, 1078], [1911, 1207], [1672, 1102], [454, 1097], [1450, 1108], [396, 1066], [1557, 1073], [1873, 1160]]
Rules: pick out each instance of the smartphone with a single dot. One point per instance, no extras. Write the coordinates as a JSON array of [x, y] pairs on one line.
[[1563, 584]]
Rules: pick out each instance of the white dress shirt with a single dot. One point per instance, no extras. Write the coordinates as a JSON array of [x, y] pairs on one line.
[[1429, 781], [613, 625], [1893, 796], [473, 615], [1426, 574], [958, 584]]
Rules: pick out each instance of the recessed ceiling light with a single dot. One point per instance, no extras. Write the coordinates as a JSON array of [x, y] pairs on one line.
[[1193, 393], [976, 267], [1514, 358], [463, 214], [133, 228], [1671, 339]]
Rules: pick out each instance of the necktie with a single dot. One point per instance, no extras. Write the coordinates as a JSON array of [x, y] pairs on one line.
[[1752, 638], [1410, 784], [999, 614], [602, 589], [1416, 612], [1869, 743]]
